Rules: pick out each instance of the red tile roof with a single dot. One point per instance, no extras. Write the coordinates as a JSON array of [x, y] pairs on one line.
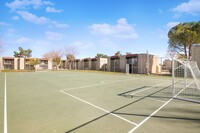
[[114, 57], [44, 59], [86, 59], [8, 58], [94, 59], [131, 55]]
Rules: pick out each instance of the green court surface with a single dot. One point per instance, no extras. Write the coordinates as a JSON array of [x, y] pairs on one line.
[[88, 102]]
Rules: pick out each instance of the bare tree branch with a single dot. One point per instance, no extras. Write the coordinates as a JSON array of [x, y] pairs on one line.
[[55, 56]]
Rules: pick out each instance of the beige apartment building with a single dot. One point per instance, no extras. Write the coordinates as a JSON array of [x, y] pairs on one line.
[[90, 64], [134, 63], [131, 63], [7, 63], [196, 54], [13, 63], [99, 64]]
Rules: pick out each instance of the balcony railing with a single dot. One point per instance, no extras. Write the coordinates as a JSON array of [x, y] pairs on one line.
[[8, 63]]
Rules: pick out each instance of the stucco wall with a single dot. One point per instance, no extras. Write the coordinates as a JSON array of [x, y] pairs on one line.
[[196, 54]]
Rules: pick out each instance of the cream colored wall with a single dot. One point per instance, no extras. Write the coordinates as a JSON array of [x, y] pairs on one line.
[[21, 63], [142, 58], [1, 63], [101, 62], [155, 65], [196, 54], [16, 63], [50, 66]]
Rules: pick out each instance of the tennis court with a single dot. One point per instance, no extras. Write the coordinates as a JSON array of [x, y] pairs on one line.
[[74, 101]]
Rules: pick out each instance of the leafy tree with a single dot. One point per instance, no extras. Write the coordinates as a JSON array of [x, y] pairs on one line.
[[118, 53], [99, 55], [183, 36], [55, 56], [70, 57], [34, 61], [23, 53]]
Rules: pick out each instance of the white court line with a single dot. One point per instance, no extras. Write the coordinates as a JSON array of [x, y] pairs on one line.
[[5, 108], [145, 89], [97, 84], [132, 130], [98, 107]]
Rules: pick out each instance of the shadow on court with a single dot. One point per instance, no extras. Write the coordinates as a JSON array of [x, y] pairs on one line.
[[162, 117], [93, 120]]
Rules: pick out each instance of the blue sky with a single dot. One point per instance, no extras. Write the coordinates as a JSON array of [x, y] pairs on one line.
[[92, 26]]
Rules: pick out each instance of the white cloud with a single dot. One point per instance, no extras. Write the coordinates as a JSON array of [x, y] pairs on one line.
[[59, 25], [41, 20], [171, 24], [53, 10], [48, 3], [25, 4], [20, 6], [23, 40], [121, 30], [190, 7], [55, 24], [33, 18], [15, 17], [4, 24], [54, 36]]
